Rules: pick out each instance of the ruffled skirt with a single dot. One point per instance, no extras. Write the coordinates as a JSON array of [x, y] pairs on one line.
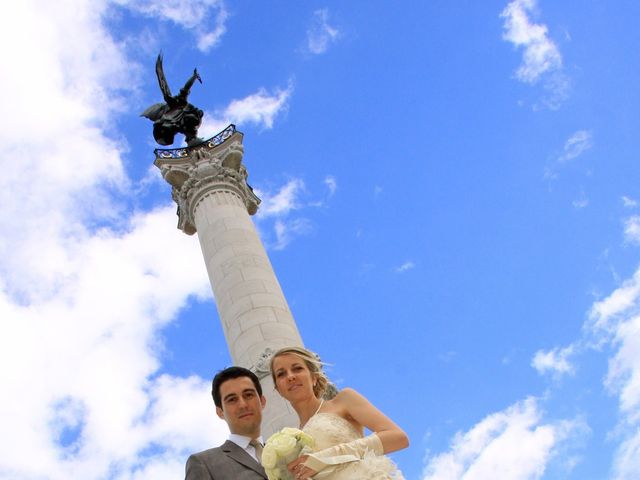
[[371, 467]]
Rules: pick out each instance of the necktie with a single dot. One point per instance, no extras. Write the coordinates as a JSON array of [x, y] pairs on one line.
[[258, 447]]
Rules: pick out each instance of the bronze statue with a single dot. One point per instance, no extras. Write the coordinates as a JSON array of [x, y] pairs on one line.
[[176, 115]]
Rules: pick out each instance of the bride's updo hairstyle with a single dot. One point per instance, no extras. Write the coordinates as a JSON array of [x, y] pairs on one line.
[[313, 363]]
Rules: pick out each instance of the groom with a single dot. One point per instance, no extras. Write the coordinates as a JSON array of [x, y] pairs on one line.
[[238, 397]]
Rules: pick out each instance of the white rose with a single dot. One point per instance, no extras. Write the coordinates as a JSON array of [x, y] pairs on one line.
[[305, 439], [269, 457], [281, 449], [273, 474], [283, 444]]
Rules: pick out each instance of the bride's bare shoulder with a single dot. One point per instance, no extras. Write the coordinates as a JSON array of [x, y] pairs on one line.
[[344, 404], [348, 393], [347, 397]]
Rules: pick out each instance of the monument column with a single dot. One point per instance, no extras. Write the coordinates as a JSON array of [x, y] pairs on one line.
[[209, 185]]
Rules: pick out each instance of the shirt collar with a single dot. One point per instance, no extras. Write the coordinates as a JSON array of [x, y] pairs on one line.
[[242, 441]]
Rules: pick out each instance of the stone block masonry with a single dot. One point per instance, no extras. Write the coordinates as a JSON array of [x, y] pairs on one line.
[[209, 184]]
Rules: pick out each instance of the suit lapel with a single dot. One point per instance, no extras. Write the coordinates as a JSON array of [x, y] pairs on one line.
[[239, 455]]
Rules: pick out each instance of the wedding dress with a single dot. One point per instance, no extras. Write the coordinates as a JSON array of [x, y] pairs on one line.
[[328, 430]]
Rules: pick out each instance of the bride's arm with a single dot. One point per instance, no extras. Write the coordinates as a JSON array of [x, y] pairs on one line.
[[356, 407]]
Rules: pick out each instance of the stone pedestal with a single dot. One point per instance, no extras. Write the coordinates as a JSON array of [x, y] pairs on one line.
[[209, 185]]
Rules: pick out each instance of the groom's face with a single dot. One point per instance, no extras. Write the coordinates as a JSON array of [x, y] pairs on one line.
[[241, 406]]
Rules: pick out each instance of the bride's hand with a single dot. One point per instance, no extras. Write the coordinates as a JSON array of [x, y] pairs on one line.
[[298, 469]]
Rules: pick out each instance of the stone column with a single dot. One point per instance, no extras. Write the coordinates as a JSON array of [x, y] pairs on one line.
[[209, 185]]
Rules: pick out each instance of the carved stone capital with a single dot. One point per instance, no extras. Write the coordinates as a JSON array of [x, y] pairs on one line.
[[194, 172]]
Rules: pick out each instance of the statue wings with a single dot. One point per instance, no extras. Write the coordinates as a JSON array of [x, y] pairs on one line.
[[164, 86], [155, 112]]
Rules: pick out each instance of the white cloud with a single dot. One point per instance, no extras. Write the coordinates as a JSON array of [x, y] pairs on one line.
[[581, 202], [616, 321], [275, 213], [618, 318], [94, 347], [514, 444], [67, 163], [554, 361], [541, 54], [541, 58], [331, 183], [550, 173], [281, 203], [447, 356], [632, 229], [320, 34], [260, 108], [82, 308], [276, 207], [182, 414], [286, 230], [576, 145], [626, 464], [205, 17], [557, 87], [624, 368], [605, 313], [629, 202], [408, 265]]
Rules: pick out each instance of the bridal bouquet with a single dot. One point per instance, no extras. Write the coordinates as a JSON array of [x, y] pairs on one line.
[[283, 448]]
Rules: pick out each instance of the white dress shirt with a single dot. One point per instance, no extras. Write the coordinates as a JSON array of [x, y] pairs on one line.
[[243, 443]]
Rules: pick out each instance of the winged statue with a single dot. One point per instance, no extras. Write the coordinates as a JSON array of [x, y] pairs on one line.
[[175, 114]]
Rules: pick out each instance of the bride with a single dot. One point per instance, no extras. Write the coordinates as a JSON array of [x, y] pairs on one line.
[[341, 452]]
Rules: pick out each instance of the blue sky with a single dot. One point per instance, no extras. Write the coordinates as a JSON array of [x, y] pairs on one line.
[[450, 202]]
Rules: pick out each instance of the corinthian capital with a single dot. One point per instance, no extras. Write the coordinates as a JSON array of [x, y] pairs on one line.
[[211, 166]]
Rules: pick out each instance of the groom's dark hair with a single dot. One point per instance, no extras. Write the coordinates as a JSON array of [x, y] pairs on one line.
[[229, 374]]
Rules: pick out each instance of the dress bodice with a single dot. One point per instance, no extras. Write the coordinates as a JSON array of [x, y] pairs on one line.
[[328, 430]]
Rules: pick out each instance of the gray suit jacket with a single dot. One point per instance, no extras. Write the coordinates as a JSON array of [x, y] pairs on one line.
[[228, 462]]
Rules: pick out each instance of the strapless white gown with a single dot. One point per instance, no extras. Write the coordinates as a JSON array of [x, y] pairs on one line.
[[327, 430]]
